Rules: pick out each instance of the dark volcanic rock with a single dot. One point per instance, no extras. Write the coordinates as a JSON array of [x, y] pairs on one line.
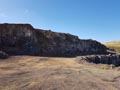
[[3, 55], [23, 39], [103, 59]]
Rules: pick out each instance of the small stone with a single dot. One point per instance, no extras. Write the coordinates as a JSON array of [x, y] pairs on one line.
[[3, 55]]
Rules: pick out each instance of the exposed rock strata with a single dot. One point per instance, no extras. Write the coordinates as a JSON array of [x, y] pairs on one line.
[[103, 59], [23, 39]]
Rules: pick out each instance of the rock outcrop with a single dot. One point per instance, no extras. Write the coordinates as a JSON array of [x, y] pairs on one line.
[[103, 59], [23, 39]]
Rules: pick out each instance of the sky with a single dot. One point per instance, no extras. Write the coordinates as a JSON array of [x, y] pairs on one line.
[[89, 19]]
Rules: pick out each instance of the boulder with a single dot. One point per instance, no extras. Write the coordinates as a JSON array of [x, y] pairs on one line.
[[3, 55]]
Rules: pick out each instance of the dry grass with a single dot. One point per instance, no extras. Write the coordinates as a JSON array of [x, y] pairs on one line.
[[115, 45], [43, 73]]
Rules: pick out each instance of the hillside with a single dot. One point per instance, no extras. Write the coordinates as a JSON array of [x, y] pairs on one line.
[[115, 45], [43, 73]]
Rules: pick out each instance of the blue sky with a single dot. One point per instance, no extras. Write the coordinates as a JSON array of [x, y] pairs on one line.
[[89, 19]]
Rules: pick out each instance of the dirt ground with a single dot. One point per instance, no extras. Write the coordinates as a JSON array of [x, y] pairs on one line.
[[43, 73]]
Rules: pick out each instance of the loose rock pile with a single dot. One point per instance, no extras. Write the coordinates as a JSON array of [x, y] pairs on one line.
[[103, 59]]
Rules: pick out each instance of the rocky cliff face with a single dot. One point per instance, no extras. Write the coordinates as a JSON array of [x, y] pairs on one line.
[[23, 39]]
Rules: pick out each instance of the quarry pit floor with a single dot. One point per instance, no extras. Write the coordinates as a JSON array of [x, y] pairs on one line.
[[56, 73]]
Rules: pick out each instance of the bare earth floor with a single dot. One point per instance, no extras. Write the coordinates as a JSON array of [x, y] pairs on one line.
[[43, 73]]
